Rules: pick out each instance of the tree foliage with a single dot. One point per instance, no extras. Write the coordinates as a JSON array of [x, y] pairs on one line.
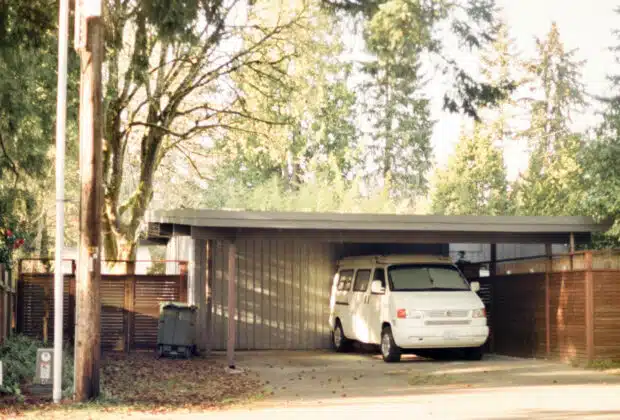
[[551, 184], [177, 91], [28, 60], [472, 22], [400, 115], [474, 182]]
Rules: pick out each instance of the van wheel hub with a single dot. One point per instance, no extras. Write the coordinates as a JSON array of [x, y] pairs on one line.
[[385, 344], [338, 336]]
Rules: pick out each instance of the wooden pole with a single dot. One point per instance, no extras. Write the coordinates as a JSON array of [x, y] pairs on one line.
[[209, 293], [589, 309], [493, 265], [88, 305], [232, 304], [548, 268], [572, 249]]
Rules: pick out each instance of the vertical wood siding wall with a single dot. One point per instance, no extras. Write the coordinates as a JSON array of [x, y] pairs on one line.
[[283, 288]]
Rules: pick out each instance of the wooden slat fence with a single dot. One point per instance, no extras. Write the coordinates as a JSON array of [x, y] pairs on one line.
[[129, 307], [566, 315]]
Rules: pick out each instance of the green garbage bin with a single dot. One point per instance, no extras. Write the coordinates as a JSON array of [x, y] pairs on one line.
[[176, 334]]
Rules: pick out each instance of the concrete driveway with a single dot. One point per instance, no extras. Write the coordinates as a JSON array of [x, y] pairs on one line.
[[325, 385], [362, 386]]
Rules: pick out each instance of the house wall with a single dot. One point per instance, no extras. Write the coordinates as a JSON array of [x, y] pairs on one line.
[[482, 252]]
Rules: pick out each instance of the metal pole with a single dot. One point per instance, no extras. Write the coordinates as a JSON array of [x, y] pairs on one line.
[[61, 119]]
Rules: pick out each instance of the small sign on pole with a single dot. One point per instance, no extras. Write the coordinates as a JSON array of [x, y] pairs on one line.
[[45, 362]]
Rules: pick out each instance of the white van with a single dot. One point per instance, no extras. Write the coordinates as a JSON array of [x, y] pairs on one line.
[[406, 303]]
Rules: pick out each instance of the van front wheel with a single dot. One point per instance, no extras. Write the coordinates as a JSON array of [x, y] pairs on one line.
[[389, 350], [339, 341]]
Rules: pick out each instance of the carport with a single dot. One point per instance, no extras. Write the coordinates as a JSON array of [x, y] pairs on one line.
[[273, 271]]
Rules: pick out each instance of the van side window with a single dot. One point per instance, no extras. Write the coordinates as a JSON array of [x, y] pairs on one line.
[[362, 278], [380, 276], [344, 280]]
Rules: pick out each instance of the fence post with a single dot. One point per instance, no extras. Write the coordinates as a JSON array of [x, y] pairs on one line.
[[20, 298], [548, 268], [129, 307], [3, 309], [183, 281], [589, 306]]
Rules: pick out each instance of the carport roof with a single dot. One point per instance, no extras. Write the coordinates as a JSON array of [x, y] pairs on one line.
[[340, 227]]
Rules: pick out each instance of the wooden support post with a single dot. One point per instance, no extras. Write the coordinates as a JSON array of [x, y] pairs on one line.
[[548, 268], [589, 307], [89, 41], [209, 293], [232, 304], [183, 282], [19, 307], [129, 312], [571, 250], [493, 265]]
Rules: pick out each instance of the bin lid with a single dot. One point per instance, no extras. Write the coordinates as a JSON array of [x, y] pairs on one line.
[[177, 305]]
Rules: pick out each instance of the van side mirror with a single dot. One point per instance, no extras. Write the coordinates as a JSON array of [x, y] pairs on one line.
[[376, 288], [475, 286]]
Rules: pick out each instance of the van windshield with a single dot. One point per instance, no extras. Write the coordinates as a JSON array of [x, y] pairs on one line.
[[425, 277]]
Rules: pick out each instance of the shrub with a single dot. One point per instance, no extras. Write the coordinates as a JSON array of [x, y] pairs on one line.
[[19, 355]]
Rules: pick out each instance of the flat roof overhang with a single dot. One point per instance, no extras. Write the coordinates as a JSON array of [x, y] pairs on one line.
[[370, 228]]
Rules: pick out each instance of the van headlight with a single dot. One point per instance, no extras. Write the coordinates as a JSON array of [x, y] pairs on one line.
[[408, 314], [479, 313]]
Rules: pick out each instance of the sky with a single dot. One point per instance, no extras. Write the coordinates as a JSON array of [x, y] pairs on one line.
[[584, 25]]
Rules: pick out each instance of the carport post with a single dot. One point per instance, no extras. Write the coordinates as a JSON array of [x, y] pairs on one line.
[[232, 301], [548, 268], [571, 249], [493, 265]]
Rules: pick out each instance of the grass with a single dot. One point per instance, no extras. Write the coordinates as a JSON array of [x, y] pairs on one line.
[[416, 380], [604, 364]]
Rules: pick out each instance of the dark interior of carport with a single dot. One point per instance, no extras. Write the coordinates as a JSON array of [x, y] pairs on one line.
[[274, 270]]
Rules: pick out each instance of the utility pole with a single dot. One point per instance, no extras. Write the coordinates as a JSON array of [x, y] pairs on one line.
[[89, 43], [61, 122]]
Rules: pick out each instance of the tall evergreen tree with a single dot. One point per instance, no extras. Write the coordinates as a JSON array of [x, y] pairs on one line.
[[600, 161], [549, 185], [474, 182], [400, 114]]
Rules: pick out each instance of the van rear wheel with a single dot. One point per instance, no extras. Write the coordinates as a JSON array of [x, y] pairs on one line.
[[341, 343], [389, 350]]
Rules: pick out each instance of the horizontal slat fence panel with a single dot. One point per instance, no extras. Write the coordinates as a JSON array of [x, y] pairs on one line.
[[125, 323]]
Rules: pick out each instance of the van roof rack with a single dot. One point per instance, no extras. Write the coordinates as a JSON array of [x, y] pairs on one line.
[[397, 259]]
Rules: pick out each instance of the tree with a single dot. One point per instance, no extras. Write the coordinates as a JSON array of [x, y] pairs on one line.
[[474, 182], [471, 22], [500, 65], [400, 114], [28, 60], [600, 162], [313, 106], [550, 185], [171, 70]]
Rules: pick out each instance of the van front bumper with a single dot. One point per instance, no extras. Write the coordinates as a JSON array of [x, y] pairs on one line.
[[440, 337]]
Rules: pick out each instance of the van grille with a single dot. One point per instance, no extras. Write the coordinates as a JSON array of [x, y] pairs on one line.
[[455, 313], [449, 322]]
